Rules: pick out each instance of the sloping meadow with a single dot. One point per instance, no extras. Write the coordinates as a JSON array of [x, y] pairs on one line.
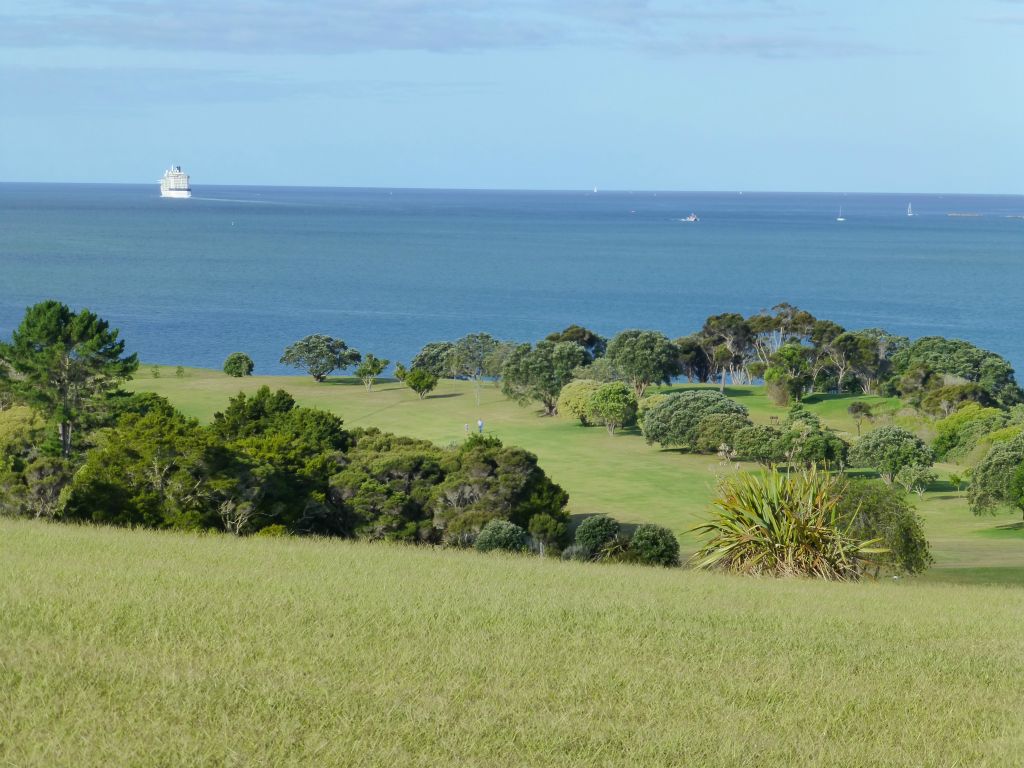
[[141, 648]]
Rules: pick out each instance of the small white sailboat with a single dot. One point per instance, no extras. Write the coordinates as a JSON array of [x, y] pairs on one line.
[[840, 216], [910, 209]]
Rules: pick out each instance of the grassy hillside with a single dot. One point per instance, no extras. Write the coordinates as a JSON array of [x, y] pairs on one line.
[[622, 475], [142, 648]]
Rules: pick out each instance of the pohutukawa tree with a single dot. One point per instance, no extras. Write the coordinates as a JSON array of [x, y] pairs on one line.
[[370, 368], [644, 358], [539, 372], [66, 363], [889, 449], [319, 355]]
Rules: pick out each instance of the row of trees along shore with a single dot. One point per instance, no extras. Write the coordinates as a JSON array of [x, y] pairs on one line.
[[74, 446]]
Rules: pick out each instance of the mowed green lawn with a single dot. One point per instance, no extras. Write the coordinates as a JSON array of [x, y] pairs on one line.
[[621, 475], [142, 648]]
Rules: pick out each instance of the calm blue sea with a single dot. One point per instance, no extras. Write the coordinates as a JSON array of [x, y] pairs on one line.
[[253, 268]]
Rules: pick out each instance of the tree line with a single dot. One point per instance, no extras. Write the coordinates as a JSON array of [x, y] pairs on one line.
[[75, 447]]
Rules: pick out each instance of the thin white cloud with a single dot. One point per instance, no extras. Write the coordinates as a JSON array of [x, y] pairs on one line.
[[66, 89], [760, 28]]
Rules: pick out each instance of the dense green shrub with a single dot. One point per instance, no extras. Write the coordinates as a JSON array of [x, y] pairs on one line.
[[156, 470], [878, 511], [645, 404], [807, 444], [547, 532], [595, 532], [718, 429], [238, 364], [501, 535], [992, 478], [485, 480], [943, 401], [964, 360], [759, 443], [888, 449], [387, 486], [676, 420], [273, 531], [959, 433], [654, 545], [574, 399]]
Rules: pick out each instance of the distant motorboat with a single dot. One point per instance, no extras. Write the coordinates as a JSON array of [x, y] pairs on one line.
[[840, 216], [691, 217], [910, 210]]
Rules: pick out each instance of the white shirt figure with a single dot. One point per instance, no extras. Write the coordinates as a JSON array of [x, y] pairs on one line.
[[480, 426]]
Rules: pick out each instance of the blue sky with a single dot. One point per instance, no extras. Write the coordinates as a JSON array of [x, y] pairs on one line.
[[915, 95]]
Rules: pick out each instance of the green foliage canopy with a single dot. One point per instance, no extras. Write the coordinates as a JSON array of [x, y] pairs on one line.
[[421, 381], [888, 450], [320, 355], [67, 362], [370, 368], [878, 511], [992, 479], [538, 373], [501, 535], [675, 421], [614, 405], [644, 358], [238, 364]]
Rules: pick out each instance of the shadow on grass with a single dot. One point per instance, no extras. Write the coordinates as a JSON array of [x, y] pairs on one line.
[[442, 397], [344, 381]]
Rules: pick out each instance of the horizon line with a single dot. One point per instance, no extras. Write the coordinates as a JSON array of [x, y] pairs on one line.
[[554, 190]]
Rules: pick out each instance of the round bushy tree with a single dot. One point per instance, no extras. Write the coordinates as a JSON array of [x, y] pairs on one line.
[[759, 443], [655, 545], [319, 355], [614, 405], [992, 480], [501, 535], [238, 364], [675, 421], [888, 449], [718, 429], [574, 399], [421, 381], [596, 531], [644, 358], [877, 511]]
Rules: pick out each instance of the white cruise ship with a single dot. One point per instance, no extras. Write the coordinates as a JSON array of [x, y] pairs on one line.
[[175, 183]]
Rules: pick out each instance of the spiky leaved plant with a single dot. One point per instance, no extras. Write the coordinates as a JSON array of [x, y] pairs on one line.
[[783, 524]]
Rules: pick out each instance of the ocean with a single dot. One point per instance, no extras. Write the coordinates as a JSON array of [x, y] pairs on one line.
[[252, 269]]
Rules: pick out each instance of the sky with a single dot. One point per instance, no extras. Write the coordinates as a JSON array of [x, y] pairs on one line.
[[822, 95]]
